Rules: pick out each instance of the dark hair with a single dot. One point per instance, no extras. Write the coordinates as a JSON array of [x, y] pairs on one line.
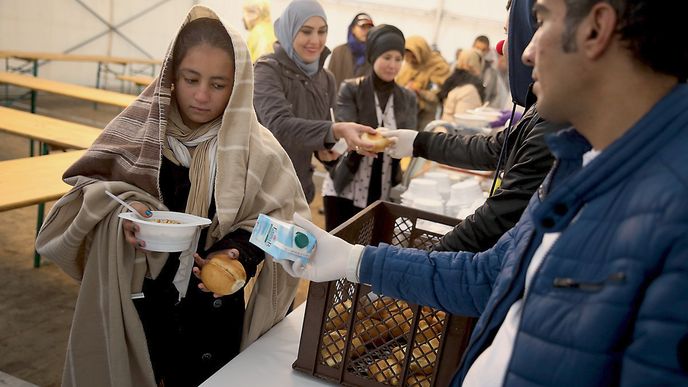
[[648, 28], [508, 5], [201, 31], [482, 39], [459, 78]]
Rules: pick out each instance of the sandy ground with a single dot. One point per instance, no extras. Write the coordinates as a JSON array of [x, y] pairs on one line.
[[36, 305]]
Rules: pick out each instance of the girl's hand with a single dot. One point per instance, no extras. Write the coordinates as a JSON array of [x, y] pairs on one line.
[[130, 228], [200, 262]]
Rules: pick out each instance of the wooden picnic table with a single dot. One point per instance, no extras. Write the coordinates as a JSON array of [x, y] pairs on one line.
[[36, 56], [103, 61], [67, 89]]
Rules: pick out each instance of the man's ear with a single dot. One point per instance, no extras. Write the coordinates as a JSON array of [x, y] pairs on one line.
[[596, 31]]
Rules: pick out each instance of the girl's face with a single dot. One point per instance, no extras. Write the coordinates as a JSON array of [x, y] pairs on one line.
[[387, 65], [309, 42], [205, 78]]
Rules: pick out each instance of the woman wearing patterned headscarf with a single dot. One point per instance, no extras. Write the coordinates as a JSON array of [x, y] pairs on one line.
[[295, 95], [189, 143]]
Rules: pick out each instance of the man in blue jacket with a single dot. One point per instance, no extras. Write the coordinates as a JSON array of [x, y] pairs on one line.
[[591, 285]]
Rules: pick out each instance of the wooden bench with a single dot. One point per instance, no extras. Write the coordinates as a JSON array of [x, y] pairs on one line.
[[47, 130], [35, 180], [66, 89]]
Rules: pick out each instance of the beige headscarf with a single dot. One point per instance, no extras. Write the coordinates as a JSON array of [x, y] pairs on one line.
[[253, 175], [431, 66]]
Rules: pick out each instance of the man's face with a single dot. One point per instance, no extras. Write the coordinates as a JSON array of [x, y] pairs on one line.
[[557, 74]]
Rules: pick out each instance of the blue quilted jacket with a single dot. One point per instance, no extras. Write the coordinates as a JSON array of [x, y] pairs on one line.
[[609, 305]]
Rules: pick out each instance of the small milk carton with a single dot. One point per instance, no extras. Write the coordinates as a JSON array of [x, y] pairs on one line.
[[282, 240]]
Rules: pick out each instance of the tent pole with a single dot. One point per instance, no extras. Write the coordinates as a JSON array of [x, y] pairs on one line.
[[438, 20]]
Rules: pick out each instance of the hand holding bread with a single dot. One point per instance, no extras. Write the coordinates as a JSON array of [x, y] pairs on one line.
[[221, 274], [380, 143]]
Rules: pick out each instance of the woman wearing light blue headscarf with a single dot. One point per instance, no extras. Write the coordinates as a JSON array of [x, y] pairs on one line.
[[295, 96]]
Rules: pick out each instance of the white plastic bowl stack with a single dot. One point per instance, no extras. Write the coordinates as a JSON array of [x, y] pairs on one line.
[[472, 120], [464, 195], [443, 183], [420, 188], [430, 205]]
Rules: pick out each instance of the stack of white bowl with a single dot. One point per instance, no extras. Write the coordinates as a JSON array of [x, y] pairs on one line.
[[443, 183], [465, 198], [423, 194]]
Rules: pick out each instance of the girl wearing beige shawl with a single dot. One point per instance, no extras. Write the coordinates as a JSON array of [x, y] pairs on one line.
[[424, 71], [191, 142]]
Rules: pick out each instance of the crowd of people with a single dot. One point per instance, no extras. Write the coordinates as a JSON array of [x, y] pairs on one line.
[[575, 266]]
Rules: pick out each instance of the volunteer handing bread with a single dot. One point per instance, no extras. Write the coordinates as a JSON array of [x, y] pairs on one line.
[[590, 287]]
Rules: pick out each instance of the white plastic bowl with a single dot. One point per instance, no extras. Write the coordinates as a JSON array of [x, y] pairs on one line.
[[471, 120], [167, 237]]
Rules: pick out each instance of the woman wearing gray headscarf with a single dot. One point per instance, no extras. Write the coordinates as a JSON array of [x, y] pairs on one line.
[[294, 94]]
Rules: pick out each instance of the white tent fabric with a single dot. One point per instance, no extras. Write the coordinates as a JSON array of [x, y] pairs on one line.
[[56, 26]]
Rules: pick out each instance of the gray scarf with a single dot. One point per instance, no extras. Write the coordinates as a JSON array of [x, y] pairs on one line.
[[288, 25]]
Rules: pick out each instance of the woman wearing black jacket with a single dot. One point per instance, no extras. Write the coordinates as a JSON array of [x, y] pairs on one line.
[[376, 101]]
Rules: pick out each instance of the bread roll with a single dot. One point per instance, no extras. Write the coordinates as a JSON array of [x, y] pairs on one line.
[[334, 343], [418, 380], [399, 323], [425, 332], [386, 371], [371, 331], [424, 358], [333, 347], [379, 141], [338, 316], [223, 275]]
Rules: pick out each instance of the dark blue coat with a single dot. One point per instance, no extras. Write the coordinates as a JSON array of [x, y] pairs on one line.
[[609, 305]]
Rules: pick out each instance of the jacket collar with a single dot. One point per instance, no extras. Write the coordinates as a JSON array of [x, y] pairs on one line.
[[614, 165]]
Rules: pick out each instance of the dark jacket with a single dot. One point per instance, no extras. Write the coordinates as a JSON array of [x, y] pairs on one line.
[[201, 332], [343, 67], [607, 306], [296, 109], [527, 163], [356, 103]]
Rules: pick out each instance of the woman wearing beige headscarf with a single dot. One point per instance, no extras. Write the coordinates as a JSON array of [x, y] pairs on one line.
[[191, 143], [424, 71]]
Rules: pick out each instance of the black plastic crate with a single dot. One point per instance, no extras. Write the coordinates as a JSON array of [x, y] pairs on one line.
[[357, 338]]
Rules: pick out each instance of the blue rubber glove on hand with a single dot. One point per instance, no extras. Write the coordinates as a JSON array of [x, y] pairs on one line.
[[333, 258]]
